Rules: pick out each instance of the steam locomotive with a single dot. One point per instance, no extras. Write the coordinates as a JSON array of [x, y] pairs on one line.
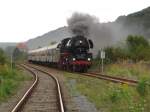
[[71, 54]]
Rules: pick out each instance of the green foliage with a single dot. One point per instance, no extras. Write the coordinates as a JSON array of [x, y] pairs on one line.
[[114, 54], [138, 47], [134, 41], [107, 96], [19, 55], [114, 94], [2, 57], [53, 42], [9, 50], [132, 71], [9, 81], [142, 87]]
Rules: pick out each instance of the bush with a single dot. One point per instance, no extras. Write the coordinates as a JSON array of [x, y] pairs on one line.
[[9, 81], [137, 48], [115, 94], [142, 87], [2, 57], [113, 54]]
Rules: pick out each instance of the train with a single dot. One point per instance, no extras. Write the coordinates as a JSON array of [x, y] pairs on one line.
[[72, 54]]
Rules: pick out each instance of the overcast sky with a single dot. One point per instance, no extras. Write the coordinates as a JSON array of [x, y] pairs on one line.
[[21, 20]]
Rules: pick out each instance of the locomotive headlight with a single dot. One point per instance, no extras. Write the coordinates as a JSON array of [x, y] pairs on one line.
[[89, 59], [73, 59], [80, 42]]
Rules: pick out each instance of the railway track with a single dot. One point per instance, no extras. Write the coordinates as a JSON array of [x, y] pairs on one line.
[[112, 78], [43, 95]]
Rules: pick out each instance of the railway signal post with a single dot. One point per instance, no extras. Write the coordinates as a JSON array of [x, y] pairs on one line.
[[102, 58]]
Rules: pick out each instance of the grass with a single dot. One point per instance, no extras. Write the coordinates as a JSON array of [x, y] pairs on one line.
[[133, 71], [10, 81], [108, 96]]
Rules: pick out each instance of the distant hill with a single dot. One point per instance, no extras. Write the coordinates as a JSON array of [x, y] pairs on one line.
[[4, 45], [137, 23], [48, 38]]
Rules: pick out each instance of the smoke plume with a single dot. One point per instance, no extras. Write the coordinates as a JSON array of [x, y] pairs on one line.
[[90, 27], [80, 24]]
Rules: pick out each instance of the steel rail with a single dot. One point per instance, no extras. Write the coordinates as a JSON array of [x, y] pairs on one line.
[[113, 79], [118, 78], [61, 104], [19, 105]]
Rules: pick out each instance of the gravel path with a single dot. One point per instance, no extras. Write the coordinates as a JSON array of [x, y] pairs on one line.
[[81, 101], [44, 97], [83, 104], [10, 103]]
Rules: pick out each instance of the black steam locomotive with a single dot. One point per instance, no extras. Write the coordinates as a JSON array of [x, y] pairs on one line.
[[70, 54]]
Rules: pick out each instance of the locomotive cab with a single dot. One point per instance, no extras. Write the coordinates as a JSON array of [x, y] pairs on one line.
[[62, 45]]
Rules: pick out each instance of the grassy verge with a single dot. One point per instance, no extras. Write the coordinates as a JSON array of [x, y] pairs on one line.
[[110, 97], [10, 81], [136, 71], [133, 71]]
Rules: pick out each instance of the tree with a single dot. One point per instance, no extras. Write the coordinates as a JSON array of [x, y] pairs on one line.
[[2, 57], [9, 50], [114, 54], [134, 41], [19, 55], [53, 42], [138, 48]]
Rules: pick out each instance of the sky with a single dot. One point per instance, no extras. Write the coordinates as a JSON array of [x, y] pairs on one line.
[[21, 20]]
